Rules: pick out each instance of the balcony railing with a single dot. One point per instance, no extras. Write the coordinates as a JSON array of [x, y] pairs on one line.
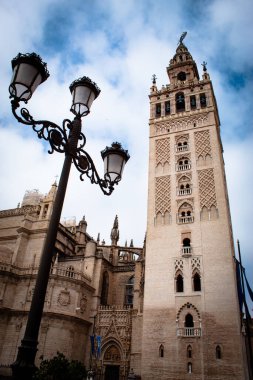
[[186, 250], [186, 191], [185, 219], [56, 270], [180, 168], [189, 332], [182, 148]]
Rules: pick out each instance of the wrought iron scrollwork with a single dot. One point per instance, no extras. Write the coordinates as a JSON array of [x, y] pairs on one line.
[[60, 141], [85, 165], [46, 130]]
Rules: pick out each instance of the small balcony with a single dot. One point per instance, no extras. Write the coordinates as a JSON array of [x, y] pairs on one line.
[[183, 167], [185, 219], [185, 191], [189, 332], [182, 148], [186, 251]]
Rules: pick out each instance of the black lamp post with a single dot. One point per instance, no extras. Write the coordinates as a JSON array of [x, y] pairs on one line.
[[28, 72]]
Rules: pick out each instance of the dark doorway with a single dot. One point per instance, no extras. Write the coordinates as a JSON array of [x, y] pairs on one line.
[[112, 372]]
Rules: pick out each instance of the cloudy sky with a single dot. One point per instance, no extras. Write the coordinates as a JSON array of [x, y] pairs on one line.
[[120, 45]]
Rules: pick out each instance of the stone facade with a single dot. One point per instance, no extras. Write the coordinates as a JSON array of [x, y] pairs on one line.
[[89, 281], [167, 310], [191, 323]]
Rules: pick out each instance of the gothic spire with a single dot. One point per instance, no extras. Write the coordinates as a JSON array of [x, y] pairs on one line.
[[115, 232]]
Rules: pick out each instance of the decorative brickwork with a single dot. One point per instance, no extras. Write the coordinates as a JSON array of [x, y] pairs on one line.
[[195, 263], [181, 124], [202, 143], [182, 138], [162, 195], [207, 193], [162, 151], [179, 265]]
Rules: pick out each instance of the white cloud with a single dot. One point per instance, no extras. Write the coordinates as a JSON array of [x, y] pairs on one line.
[[122, 45]]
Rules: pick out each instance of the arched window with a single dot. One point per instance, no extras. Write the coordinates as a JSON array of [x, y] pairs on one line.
[[180, 102], [179, 283], [189, 351], [182, 143], [184, 185], [129, 295], [185, 214], [202, 98], [189, 320], [105, 287], [218, 352], [161, 351], [181, 76], [186, 249], [158, 109], [183, 164], [196, 282], [193, 102]]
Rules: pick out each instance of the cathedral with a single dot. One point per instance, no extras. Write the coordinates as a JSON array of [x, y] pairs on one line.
[[167, 310]]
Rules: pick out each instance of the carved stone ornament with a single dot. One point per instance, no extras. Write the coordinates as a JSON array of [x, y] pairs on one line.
[[64, 298], [83, 303]]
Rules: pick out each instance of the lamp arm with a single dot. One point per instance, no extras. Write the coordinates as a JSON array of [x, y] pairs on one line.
[[46, 130], [85, 165]]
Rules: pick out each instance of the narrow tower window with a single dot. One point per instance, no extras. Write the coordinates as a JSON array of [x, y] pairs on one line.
[[202, 98], [161, 351], [179, 283], [180, 102], [129, 295], [189, 352], [218, 352], [193, 102], [105, 287], [189, 367], [158, 109], [167, 108], [196, 282]]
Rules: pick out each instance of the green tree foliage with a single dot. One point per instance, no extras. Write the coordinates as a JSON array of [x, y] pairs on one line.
[[60, 368]]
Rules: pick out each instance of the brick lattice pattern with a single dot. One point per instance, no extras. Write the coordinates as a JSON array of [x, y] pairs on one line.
[[179, 265], [162, 151], [202, 143], [207, 193], [162, 195], [195, 263]]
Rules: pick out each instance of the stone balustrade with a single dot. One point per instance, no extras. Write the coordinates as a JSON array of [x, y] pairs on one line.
[[185, 219], [185, 191], [181, 168], [189, 332], [57, 270], [182, 148]]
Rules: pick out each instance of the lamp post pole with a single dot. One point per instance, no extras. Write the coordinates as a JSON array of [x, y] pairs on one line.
[[28, 72], [24, 367]]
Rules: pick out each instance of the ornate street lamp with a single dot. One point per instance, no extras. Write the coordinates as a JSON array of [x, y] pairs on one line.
[[28, 73]]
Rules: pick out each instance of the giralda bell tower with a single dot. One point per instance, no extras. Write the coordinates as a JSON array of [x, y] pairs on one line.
[[191, 320]]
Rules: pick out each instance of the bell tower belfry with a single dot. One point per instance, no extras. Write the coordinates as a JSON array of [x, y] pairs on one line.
[[191, 320]]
